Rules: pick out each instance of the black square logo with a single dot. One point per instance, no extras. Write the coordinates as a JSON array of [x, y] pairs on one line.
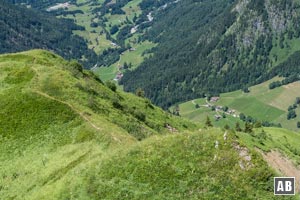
[[284, 185]]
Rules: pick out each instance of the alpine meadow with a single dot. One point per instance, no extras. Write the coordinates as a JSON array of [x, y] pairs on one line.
[[149, 99]]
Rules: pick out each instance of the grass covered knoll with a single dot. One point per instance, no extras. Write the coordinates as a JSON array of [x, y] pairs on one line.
[[185, 166], [66, 135]]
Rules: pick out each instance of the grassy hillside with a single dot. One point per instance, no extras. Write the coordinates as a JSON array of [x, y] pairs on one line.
[[55, 116], [284, 141], [260, 103], [186, 166], [279, 147], [66, 135]]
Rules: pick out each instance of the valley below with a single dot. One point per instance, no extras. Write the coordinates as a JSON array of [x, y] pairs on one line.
[[260, 104]]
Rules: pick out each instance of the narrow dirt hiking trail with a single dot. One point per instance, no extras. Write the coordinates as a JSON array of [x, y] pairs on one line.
[[71, 106], [283, 165], [81, 114]]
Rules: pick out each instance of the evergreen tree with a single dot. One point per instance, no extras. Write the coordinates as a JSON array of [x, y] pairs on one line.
[[238, 127], [242, 117], [208, 122], [134, 17], [140, 93], [248, 128], [125, 65], [258, 124], [291, 114], [114, 29], [262, 137], [246, 90], [225, 108], [227, 127], [111, 85], [297, 100], [176, 110]]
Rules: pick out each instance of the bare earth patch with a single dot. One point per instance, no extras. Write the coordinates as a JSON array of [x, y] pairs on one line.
[[282, 165]]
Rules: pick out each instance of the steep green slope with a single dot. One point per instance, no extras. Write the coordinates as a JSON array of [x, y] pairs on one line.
[[186, 166], [24, 29], [41, 77], [55, 116], [284, 141], [209, 47], [66, 135]]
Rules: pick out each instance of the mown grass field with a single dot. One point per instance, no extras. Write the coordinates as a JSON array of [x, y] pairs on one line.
[[106, 73], [131, 9], [135, 58], [95, 36], [261, 103], [97, 39]]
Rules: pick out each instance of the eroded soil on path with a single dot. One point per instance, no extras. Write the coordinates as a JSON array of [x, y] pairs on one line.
[[283, 165]]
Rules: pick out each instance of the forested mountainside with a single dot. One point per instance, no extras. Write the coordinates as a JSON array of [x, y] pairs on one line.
[[23, 29], [206, 47], [111, 28]]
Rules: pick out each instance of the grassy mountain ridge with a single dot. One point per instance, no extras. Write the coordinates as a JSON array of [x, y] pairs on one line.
[[229, 45], [55, 115], [65, 134], [61, 80], [185, 166]]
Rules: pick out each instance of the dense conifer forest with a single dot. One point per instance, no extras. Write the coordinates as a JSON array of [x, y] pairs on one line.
[[208, 47], [23, 29]]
